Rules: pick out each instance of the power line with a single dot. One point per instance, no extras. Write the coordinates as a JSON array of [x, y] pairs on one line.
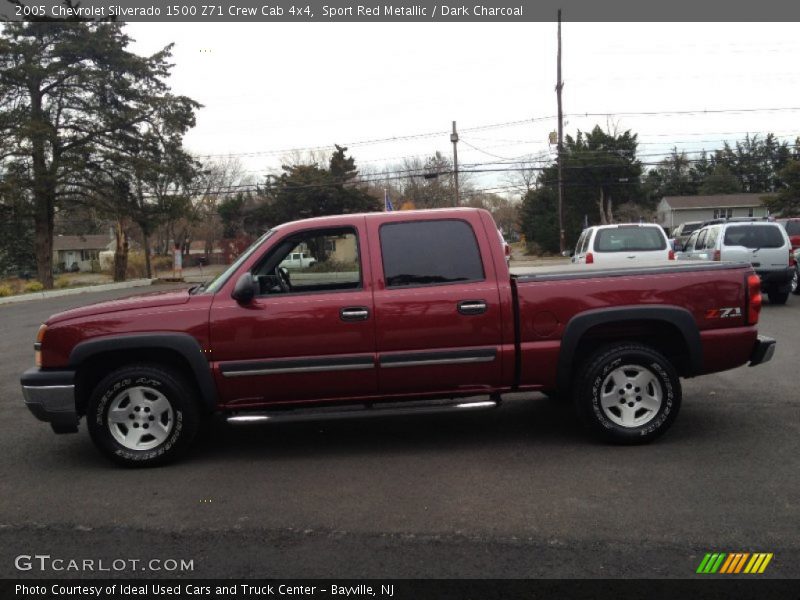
[[500, 125]]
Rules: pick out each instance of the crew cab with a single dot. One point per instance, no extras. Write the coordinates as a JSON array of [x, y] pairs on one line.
[[405, 312]]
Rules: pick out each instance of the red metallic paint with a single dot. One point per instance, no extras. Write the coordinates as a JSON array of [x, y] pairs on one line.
[[402, 320]]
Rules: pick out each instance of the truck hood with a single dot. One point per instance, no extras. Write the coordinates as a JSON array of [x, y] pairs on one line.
[[142, 301]]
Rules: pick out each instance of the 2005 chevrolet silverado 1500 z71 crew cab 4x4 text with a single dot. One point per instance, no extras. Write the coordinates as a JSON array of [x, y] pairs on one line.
[[403, 312]]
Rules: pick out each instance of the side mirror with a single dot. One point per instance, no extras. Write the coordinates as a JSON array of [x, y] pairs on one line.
[[245, 289]]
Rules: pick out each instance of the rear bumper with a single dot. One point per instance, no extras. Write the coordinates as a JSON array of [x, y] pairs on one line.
[[763, 350], [50, 396]]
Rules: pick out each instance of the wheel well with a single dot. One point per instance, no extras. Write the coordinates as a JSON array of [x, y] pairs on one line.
[[94, 368], [662, 336]]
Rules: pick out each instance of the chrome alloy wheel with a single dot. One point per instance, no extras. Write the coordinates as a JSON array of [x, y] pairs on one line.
[[631, 396], [794, 280], [140, 418]]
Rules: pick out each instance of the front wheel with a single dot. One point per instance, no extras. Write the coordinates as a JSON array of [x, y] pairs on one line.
[[628, 393], [142, 415]]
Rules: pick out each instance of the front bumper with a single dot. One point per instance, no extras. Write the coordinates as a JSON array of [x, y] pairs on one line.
[[762, 351], [50, 396]]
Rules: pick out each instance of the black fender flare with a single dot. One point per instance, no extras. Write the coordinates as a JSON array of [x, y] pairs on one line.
[[681, 318], [182, 343]]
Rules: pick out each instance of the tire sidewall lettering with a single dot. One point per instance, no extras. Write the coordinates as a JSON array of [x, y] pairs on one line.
[[668, 399]]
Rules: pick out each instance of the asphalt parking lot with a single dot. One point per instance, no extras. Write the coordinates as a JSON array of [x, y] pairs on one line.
[[517, 492]]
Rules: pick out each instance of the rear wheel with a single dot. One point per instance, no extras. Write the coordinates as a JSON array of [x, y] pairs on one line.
[[778, 297], [795, 277], [142, 415], [628, 393]]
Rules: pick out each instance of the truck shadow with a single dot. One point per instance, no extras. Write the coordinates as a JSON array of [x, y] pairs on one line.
[[534, 421]]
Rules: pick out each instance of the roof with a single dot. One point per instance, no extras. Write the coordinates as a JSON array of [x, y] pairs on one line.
[[715, 201], [81, 242]]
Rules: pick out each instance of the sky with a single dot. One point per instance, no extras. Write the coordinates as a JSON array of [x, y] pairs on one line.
[[268, 88]]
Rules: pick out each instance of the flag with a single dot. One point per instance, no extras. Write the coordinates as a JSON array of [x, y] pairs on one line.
[[387, 204]]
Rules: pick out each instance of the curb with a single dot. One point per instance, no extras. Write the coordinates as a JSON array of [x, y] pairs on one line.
[[104, 287]]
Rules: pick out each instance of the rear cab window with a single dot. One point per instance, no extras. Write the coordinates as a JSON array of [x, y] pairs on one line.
[[754, 236], [441, 252], [628, 239]]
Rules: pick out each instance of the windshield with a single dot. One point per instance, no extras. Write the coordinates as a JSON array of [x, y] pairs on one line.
[[215, 284], [690, 227]]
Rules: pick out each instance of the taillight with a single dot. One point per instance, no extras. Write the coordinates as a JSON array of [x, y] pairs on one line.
[[589, 258], [508, 250], [792, 261], [717, 255], [753, 298], [671, 255], [37, 347]]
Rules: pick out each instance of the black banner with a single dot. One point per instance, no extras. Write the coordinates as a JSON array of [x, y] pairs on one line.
[[372, 11], [479, 589]]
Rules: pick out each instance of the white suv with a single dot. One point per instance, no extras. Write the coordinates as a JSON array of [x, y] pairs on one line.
[[764, 244], [622, 245]]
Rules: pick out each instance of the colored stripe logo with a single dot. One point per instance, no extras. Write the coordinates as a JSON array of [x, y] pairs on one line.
[[734, 563]]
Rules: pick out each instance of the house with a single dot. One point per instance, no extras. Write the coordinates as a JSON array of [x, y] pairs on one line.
[[674, 210], [80, 252]]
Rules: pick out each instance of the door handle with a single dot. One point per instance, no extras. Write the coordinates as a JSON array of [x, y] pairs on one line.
[[354, 313], [472, 307]]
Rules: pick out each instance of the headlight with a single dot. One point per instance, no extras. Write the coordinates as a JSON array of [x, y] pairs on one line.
[[37, 346]]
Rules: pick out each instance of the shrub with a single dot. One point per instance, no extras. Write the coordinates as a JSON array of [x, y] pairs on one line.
[[136, 267], [62, 282], [32, 286], [161, 263], [332, 266], [6, 290]]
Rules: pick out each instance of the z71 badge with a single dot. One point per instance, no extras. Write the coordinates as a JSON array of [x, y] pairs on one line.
[[723, 313]]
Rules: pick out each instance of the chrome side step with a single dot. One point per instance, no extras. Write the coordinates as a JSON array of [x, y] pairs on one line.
[[355, 411]]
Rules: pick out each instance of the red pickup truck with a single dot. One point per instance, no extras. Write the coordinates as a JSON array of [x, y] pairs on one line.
[[402, 312]]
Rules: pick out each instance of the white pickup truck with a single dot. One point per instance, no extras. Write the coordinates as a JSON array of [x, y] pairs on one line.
[[298, 260]]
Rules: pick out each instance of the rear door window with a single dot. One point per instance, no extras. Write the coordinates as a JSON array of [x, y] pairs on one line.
[[430, 253], [754, 236], [711, 238]]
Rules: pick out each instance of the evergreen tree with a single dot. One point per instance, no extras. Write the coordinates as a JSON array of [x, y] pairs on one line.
[[67, 91]]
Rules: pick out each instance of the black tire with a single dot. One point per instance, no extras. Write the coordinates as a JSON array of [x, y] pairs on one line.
[[778, 297], [177, 421], [650, 415], [796, 280]]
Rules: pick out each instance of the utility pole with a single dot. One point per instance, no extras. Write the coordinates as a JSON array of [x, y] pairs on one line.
[[454, 139], [559, 85]]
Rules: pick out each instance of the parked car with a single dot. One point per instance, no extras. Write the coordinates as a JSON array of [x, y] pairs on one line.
[[428, 317], [682, 232], [792, 227], [506, 247], [624, 244], [764, 244], [298, 260]]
